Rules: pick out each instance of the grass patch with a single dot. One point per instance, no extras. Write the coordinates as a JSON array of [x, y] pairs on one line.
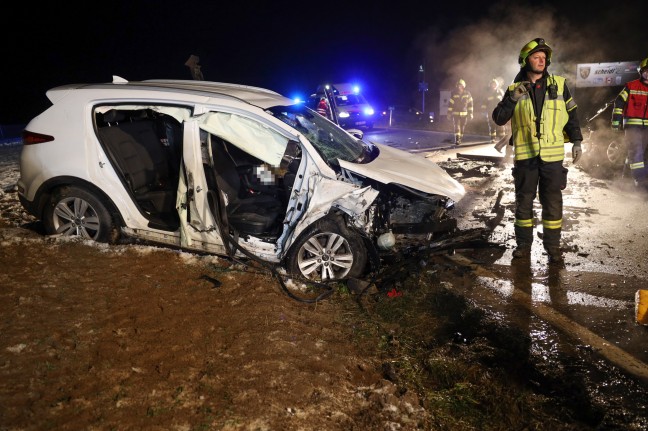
[[469, 372]]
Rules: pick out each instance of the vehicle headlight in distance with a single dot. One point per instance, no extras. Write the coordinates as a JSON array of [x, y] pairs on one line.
[[344, 114], [369, 111]]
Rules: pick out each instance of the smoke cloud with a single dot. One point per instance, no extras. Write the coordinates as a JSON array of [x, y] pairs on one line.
[[578, 33]]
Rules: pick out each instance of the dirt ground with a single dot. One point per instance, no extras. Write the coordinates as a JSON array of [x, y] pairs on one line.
[[127, 337]]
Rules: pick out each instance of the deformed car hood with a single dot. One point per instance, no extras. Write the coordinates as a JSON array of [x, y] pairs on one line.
[[400, 167]]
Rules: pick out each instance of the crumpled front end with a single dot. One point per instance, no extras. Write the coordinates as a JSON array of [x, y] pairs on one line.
[[398, 210], [401, 211]]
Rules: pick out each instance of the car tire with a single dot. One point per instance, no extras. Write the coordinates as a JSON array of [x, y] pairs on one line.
[[73, 211], [328, 251], [616, 154]]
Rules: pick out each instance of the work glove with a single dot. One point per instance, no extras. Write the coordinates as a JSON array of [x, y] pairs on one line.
[[519, 91], [577, 151]]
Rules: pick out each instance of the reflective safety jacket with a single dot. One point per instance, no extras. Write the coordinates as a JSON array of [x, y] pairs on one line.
[[460, 104], [494, 96], [547, 141], [631, 106]]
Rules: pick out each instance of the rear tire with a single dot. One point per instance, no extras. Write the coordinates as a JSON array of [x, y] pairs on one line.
[[328, 250], [73, 211], [616, 154]]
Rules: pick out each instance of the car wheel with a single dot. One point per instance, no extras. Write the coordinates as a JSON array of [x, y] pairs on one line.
[[328, 251], [616, 154], [73, 211]]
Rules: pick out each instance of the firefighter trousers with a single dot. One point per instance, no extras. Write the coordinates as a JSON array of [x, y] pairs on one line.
[[636, 142], [547, 179], [459, 122], [494, 130]]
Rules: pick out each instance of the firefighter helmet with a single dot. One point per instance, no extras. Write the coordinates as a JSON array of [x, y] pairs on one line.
[[462, 83], [537, 44], [643, 65]]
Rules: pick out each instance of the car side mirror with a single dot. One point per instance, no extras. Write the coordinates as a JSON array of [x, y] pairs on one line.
[[356, 132]]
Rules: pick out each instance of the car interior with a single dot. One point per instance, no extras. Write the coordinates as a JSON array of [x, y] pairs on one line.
[[250, 206], [249, 195], [145, 147]]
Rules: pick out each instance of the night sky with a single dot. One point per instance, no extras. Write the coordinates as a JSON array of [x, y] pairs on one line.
[[291, 48]]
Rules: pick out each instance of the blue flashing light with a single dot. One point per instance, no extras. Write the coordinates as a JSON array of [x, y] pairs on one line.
[[356, 89]]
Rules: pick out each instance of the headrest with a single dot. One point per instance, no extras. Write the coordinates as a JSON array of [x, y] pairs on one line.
[[140, 114], [114, 116]]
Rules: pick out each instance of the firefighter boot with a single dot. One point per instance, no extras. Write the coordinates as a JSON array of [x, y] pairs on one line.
[[524, 239], [551, 242], [555, 254]]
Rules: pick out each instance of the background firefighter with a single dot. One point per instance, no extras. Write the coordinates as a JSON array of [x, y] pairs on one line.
[[493, 95], [541, 110], [323, 108], [460, 109], [631, 112]]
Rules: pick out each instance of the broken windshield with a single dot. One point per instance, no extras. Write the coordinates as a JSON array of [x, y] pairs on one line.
[[331, 141]]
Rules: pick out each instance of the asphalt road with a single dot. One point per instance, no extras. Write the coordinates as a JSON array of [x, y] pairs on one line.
[[590, 299], [417, 141]]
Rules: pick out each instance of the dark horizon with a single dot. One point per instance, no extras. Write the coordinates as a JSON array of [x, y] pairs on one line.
[[280, 47]]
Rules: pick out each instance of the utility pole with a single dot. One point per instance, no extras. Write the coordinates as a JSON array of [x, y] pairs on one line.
[[423, 87]]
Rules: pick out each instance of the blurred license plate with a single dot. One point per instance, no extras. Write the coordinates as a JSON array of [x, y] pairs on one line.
[[360, 122]]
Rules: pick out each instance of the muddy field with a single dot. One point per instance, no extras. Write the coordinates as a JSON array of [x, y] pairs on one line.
[[130, 336]]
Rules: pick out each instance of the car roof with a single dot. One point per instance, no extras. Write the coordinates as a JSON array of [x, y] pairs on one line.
[[256, 96]]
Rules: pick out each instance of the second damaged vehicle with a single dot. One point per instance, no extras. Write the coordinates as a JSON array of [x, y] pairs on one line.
[[226, 169]]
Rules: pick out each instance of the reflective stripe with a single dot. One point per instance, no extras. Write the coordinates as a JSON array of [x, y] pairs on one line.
[[524, 223], [638, 165], [624, 95], [636, 122], [639, 92], [571, 104], [552, 224]]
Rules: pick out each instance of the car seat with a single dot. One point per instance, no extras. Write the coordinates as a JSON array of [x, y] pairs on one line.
[[142, 162], [258, 214]]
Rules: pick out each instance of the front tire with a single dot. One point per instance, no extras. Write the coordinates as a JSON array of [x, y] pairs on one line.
[[328, 251], [73, 211]]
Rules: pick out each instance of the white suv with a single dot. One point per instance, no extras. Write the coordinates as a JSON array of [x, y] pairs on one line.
[[226, 169]]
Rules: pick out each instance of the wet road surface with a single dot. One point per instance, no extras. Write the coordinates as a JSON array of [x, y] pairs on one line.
[[591, 297]]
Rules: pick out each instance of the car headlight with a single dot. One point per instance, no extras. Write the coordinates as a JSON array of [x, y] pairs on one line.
[[369, 111], [344, 114]]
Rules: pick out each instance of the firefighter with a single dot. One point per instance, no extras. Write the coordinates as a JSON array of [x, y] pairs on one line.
[[494, 95], [323, 108], [460, 109], [631, 112], [541, 111]]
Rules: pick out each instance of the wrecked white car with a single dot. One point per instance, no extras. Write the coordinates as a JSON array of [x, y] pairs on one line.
[[225, 169]]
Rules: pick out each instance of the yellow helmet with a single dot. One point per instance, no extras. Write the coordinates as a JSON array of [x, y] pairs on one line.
[[643, 65], [462, 83], [537, 44]]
